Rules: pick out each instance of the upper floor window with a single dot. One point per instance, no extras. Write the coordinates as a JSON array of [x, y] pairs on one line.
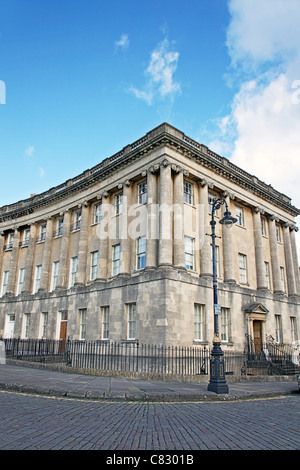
[[42, 233], [116, 260], [268, 274], [5, 282], [189, 253], [97, 213], [21, 280], [59, 227], [239, 213], [243, 268], [37, 277], [142, 192], [9, 241], [55, 268], [263, 226], [94, 265], [141, 253], [73, 271], [282, 278], [278, 233], [77, 221], [118, 203], [211, 199], [188, 192], [25, 237]]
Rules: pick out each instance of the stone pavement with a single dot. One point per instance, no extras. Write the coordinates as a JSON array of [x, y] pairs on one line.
[[57, 383]]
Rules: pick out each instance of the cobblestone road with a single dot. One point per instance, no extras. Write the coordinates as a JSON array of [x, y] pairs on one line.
[[35, 422]]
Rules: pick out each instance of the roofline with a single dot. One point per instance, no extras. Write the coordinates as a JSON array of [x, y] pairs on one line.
[[164, 134]]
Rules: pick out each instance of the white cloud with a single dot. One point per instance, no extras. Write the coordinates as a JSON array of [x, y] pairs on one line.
[[123, 42], [159, 74], [41, 172], [29, 151], [262, 132]]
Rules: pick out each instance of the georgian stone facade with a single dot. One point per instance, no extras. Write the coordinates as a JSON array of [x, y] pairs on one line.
[[122, 252]]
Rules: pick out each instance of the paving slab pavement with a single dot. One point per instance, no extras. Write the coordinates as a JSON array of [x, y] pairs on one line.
[[53, 382]]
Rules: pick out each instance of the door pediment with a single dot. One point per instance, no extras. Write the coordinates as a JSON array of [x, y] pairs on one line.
[[257, 311]]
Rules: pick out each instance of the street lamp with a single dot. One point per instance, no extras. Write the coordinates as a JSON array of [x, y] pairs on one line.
[[217, 381]]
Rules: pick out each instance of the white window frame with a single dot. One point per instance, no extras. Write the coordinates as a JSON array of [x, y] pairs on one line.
[[189, 253], [142, 192], [37, 277], [94, 265], [73, 270], [21, 280], [26, 237], [239, 213], [198, 322], [278, 233], [141, 247], [105, 322], [42, 233], [82, 324], [188, 192], [243, 277], [131, 321], [97, 213], [54, 277], [116, 259], [224, 324], [118, 203], [4, 283]]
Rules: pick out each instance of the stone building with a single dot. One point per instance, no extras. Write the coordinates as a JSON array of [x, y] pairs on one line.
[[122, 252]]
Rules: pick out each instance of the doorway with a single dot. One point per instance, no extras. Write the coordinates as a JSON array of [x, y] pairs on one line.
[[257, 336], [63, 326], [9, 326]]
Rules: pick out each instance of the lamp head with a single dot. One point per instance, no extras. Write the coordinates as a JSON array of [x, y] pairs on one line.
[[227, 219]]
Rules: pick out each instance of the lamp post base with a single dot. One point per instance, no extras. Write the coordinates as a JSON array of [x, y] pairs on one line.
[[217, 381]]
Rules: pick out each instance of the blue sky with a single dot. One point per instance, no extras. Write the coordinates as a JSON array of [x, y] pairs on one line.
[[79, 80]]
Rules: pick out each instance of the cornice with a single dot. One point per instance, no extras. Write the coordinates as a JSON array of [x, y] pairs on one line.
[[163, 135]]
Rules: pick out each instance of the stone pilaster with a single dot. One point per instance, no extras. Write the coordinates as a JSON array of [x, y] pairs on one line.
[[126, 244], [179, 259], [47, 256], [261, 279], [152, 218], [165, 219], [11, 286], [289, 260], [295, 258], [64, 252], [277, 284], [27, 284], [82, 244], [227, 245], [205, 253]]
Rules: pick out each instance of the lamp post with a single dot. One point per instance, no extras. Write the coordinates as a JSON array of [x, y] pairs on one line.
[[217, 381]]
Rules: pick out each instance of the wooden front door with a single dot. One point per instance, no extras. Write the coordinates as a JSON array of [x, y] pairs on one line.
[[257, 336], [63, 330]]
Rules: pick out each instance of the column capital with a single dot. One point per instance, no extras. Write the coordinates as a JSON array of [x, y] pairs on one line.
[[257, 210]]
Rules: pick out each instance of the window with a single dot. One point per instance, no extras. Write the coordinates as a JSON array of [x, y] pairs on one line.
[[97, 213], [116, 260], [282, 278], [142, 193], [55, 268], [224, 324], [268, 275], [26, 329], [82, 332], [59, 227], [263, 226], [105, 322], [77, 221], [141, 253], [278, 331], [5, 282], [10, 241], [211, 199], [243, 268], [37, 277], [131, 321], [94, 264], [26, 236], [73, 271], [188, 192], [239, 213], [189, 253], [21, 280], [217, 250], [198, 322], [278, 233], [42, 233], [44, 325], [293, 329], [118, 203]]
